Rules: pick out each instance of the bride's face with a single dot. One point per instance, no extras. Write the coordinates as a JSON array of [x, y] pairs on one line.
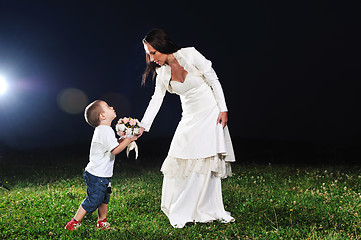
[[154, 55]]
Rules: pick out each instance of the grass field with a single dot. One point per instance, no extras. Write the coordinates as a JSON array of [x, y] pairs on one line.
[[267, 201]]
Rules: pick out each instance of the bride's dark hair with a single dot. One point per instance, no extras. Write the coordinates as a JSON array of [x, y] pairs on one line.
[[161, 42]]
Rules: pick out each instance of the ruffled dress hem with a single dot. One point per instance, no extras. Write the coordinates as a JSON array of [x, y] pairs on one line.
[[181, 168]]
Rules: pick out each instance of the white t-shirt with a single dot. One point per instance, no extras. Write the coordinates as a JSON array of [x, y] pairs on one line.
[[101, 160]]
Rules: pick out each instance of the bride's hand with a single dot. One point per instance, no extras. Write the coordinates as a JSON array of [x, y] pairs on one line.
[[141, 130], [222, 118]]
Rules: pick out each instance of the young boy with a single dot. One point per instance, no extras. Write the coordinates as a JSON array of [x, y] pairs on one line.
[[98, 172]]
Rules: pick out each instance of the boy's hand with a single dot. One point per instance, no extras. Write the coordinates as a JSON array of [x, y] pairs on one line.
[[123, 143], [130, 139], [135, 137]]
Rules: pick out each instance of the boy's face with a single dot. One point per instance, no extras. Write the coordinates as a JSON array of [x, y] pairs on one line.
[[109, 112]]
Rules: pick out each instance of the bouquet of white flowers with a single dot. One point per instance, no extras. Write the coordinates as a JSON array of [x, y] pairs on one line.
[[128, 127]]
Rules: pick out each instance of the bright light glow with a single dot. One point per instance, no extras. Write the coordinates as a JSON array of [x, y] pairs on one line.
[[3, 85]]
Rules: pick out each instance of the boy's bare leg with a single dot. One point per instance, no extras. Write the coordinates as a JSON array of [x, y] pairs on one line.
[[102, 211], [80, 214]]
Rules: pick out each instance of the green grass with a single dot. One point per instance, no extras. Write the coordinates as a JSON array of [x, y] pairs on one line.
[[268, 202]]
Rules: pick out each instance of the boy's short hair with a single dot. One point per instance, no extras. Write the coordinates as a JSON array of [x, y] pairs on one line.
[[92, 112]]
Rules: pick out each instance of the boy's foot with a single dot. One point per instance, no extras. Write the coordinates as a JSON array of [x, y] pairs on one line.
[[72, 225], [103, 224]]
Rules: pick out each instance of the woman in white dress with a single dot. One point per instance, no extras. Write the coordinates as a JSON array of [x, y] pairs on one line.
[[201, 150]]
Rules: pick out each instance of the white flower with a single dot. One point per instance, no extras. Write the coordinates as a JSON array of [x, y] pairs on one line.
[[120, 127], [136, 131], [128, 131]]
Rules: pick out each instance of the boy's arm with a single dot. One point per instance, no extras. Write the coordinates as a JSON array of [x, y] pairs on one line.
[[123, 144]]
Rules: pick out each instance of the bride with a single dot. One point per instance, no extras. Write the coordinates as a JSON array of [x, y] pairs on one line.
[[201, 150]]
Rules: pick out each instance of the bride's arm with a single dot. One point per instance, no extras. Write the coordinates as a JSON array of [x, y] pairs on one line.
[[153, 106], [210, 76]]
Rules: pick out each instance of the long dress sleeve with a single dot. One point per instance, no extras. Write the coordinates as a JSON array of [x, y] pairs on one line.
[[154, 104], [210, 76]]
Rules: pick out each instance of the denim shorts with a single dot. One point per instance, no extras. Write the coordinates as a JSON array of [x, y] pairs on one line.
[[96, 192]]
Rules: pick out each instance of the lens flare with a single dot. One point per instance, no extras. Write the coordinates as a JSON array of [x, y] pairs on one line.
[[3, 85], [72, 100]]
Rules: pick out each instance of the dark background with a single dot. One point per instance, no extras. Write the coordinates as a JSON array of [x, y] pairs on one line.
[[290, 72]]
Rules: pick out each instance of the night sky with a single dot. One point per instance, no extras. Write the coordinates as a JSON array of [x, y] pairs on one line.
[[289, 71]]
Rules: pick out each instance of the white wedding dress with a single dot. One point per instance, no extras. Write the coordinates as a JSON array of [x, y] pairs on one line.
[[196, 158], [201, 150]]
